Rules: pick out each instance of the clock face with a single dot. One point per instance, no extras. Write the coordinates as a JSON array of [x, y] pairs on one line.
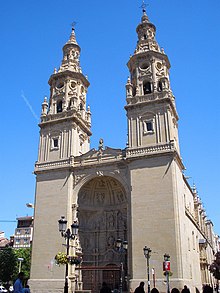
[[72, 84]]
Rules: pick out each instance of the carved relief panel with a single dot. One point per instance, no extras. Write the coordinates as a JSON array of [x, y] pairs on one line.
[[102, 215]]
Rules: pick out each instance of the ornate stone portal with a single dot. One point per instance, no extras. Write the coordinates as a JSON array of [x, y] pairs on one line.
[[102, 215]]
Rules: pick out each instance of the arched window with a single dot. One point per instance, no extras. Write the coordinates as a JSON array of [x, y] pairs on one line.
[[81, 107], [160, 86], [147, 87], [59, 106]]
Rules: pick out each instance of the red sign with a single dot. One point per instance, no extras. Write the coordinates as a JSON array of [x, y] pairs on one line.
[[166, 265]]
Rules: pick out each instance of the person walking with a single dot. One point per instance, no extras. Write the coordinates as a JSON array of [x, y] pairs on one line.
[[140, 288], [185, 289], [154, 290], [105, 288], [18, 287]]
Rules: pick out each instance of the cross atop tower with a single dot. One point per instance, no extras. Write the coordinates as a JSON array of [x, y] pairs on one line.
[[143, 6], [73, 24]]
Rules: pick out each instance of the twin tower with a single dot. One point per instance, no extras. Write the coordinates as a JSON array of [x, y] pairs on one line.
[[138, 194]]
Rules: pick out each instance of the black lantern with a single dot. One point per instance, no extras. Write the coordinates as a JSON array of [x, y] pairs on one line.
[[62, 224], [75, 228]]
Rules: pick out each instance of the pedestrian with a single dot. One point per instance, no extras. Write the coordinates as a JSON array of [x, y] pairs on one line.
[[18, 287], [140, 288], [26, 289], [175, 290], [105, 288], [185, 289], [154, 290], [207, 289]]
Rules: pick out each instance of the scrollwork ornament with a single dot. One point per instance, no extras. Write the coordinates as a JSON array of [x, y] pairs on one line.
[[78, 178]]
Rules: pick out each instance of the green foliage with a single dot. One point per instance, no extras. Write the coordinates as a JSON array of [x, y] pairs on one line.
[[24, 253], [8, 262], [215, 266]]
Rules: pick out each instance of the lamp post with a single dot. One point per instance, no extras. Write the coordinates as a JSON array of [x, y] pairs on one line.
[[122, 247], [166, 267], [147, 255], [20, 259], [67, 234]]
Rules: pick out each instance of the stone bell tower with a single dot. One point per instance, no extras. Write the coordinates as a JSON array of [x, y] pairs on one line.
[[151, 111], [64, 134], [67, 108]]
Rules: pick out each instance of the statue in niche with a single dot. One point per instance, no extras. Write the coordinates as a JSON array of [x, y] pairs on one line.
[[84, 196], [111, 241], [120, 196], [111, 221]]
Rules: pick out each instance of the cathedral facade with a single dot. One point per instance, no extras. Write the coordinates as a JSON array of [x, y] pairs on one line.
[[138, 194]]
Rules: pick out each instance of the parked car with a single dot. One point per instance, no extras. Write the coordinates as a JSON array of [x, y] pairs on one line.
[[2, 289]]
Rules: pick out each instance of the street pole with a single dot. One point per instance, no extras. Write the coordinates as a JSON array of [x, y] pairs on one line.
[[168, 283], [148, 273], [167, 269], [67, 234], [66, 287], [147, 252], [20, 259]]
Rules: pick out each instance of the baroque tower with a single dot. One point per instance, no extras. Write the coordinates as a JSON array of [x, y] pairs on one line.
[[67, 110], [138, 194], [151, 110]]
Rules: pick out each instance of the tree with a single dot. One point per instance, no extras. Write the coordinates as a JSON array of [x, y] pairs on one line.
[[24, 253], [215, 266], [8, 262]]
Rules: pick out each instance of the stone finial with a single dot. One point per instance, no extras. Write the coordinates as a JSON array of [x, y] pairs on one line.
[[44, 107]]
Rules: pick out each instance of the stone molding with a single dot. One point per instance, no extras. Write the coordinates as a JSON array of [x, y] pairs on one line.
[[106, 156]]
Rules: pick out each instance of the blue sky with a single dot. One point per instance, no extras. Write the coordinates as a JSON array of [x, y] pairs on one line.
[[32, 36]]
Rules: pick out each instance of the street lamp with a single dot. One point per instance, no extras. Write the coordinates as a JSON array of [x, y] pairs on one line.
[[20, 259], [122, 247], [166, 267], [147, 255], [67, 234]]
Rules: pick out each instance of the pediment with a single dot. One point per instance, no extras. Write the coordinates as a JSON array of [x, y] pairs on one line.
[[106, 153]]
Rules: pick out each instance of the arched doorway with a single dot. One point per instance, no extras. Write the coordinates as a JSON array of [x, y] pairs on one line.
[[102, 214]]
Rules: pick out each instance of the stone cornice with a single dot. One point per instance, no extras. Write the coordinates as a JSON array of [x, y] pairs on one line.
[[68, 74], [109, 156], [151, 99], [65, 116], [150, 53]]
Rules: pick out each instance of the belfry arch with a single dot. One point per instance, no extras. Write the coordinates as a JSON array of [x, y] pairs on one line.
[[102, 215]]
